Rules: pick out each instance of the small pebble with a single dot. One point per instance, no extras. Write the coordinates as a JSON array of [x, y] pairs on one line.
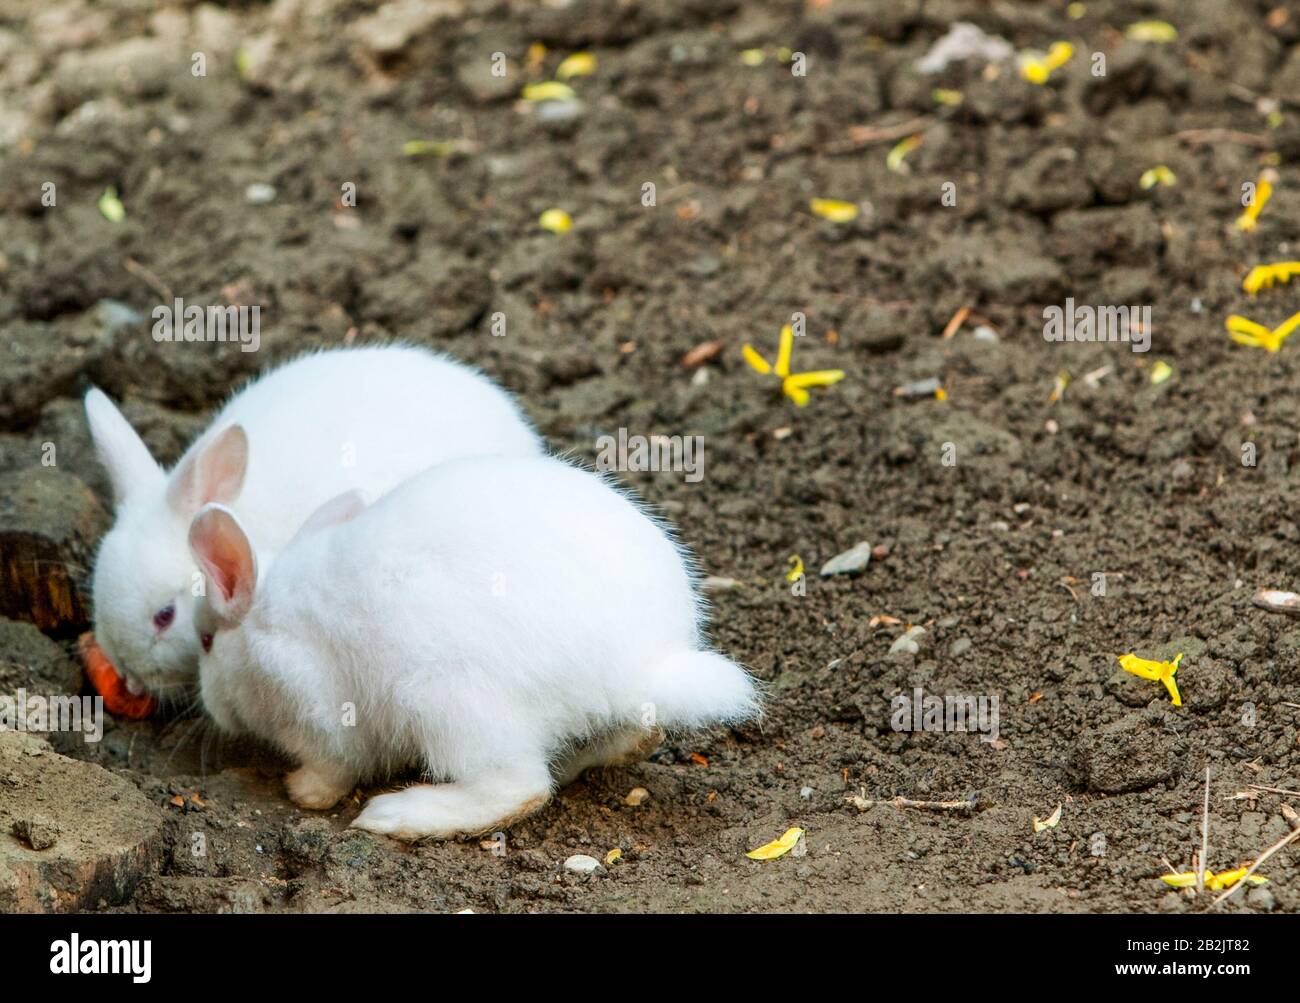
[[805, 792], [986, 333], [37, 832], [636, 796], [260, 194], [960, 646], [580, 863], [854, 559], [908, 642]]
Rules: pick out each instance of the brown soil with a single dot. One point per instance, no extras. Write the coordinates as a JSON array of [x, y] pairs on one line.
[[994, 556]]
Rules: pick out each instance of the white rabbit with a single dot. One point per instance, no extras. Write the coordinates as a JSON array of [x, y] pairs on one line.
[[491, 620], [351, 419]]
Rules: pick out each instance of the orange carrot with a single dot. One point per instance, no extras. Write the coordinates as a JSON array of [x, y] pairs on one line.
[[118, 700]]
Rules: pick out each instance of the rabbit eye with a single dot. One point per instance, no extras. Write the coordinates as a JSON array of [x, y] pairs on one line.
[[164, 617], [206, 641]]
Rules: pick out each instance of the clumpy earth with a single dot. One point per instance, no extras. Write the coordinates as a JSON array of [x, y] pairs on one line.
[[990, 510]]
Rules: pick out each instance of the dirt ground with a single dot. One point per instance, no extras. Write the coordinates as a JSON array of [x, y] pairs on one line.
[[994, 554]]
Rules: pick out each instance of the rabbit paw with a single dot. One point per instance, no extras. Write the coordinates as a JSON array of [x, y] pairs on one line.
[[317, 788], [444, 810]]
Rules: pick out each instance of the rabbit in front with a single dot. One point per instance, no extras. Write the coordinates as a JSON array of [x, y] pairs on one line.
[[348, 419], [502, 623]]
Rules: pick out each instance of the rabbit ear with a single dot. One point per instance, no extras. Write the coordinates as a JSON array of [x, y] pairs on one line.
[[214, 474], [339, 509], [121, 450], [222, 549]]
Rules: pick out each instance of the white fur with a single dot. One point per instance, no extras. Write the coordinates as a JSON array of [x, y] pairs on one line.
[[489, 620], [392, 411]]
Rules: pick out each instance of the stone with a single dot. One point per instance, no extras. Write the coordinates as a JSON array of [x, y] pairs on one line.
[[580, 863], [392, 28], [32, 662], [72, 834], [852, 560], [909, 642]]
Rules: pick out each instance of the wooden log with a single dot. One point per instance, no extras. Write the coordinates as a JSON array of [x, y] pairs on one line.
[[50, 523]]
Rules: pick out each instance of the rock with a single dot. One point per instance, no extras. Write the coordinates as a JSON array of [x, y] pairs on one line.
[[636, 796], [964, 41], [37, 831], [260, 194], [1129, 755], [1261, 898], [307, 840], [960, 646], [580, 863], [49, 525], [908, 643], [1133, 691], [98, 834], [391, 29], [33, 662], [475, 75], [852, 560]]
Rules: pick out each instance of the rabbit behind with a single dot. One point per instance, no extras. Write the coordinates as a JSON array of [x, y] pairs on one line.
[[362, 418], [500, 622]]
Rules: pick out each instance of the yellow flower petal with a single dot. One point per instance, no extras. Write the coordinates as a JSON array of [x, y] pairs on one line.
[[1284, 330], [1152, 31], [1058, 55], [1249, 218], [752, 57], [1145, 668], [1242, 325], [816, 378], [1226, 879], [555, 220], [580, 64], [1160, 372], [797, 394], [1034, 71], [796, 568], [612, 856], [756, 361], [834, 210], [549, 90], [783, 352], [1263, 276], [111, 207], [778, 847], [895, 160], [1214, 882], [1050, 822], [1159, 175]]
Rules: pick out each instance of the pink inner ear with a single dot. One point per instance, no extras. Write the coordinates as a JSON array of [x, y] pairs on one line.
[[224, 566], [216, 474], [223, 550]]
